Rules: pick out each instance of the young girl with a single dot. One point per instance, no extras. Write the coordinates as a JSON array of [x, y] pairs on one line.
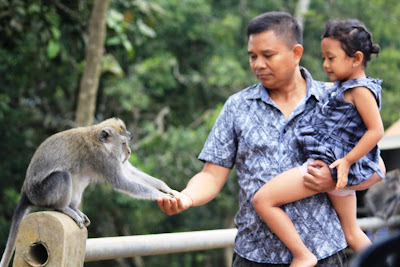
[[343, 131]]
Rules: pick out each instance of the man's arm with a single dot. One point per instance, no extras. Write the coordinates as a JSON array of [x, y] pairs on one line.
[[202, 188]]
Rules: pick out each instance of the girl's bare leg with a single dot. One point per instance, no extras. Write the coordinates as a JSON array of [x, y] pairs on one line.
[[346, 209], [285, 188]]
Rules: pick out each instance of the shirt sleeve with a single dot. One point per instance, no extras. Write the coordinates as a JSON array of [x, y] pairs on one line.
[[221, 145]]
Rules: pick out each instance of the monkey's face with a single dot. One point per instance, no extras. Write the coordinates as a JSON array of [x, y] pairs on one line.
[[120, 126], [116, 137], [126, 152]]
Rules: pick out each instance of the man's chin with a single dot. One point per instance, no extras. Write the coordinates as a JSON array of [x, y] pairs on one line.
[[269, 85]]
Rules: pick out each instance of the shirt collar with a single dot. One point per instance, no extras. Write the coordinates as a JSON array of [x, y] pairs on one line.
[[260, 92]]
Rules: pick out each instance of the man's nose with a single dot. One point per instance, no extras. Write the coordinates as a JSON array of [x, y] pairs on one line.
[[259, 63]]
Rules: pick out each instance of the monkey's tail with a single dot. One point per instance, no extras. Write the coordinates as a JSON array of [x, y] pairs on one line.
[[19, 213]]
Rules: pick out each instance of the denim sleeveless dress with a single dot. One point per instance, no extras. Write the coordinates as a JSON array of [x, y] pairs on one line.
[[334, 127]]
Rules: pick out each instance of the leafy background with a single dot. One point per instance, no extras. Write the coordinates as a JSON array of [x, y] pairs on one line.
[[168, 66]]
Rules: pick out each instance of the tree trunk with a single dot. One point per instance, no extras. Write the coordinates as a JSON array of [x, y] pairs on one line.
[[301, 10], [94, 51]]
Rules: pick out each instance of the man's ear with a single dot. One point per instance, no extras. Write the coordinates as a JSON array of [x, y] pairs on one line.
[[358, 58], [298, 52]]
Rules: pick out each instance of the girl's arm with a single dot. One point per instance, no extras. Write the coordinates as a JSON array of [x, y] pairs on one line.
[[366, 105]]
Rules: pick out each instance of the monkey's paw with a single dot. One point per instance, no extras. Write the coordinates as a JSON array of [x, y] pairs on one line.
[[86, 221], [170, 194], [174, 193]]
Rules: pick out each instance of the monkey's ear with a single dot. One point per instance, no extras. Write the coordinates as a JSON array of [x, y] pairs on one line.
[[105, 135]]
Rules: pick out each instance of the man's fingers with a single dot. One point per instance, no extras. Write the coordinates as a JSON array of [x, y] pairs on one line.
[[318, 177], [167, 205], [307, 178], [160, 204], [317, 163], [173, 206]]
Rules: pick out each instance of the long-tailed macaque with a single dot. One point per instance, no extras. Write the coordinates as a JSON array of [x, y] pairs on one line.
[[66, 162]]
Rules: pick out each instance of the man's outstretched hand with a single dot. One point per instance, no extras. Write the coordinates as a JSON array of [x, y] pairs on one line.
[[172, 206]]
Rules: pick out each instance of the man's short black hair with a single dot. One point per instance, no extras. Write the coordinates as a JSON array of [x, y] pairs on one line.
[[282, 24]]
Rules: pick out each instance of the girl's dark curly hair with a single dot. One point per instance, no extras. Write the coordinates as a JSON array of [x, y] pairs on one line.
[[354, 36]]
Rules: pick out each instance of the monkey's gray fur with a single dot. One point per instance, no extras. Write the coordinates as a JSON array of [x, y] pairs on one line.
[[382, 199], [66, 162]]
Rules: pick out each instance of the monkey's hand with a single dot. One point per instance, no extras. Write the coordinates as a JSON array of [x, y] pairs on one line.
[[170, 194]]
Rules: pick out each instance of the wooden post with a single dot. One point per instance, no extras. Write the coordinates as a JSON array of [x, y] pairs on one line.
[[50, 238]]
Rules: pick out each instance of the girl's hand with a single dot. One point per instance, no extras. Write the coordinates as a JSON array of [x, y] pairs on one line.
[[342, 166]]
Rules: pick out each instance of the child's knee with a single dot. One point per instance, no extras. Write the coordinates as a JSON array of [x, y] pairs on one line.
[[258, 201], [262, 201]]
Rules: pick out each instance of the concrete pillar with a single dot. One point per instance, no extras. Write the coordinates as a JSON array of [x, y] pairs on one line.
[[50, 238]]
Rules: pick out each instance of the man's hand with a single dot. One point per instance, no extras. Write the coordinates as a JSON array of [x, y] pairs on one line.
[[319, 177], [172, 206]]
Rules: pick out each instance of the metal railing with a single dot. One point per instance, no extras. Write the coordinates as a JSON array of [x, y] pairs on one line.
[[130, 246], [107, 248], [54, 239]]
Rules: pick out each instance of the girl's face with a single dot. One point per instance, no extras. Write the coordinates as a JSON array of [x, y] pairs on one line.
[[337, 64]]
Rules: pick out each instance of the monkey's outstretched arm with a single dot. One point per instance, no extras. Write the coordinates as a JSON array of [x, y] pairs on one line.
[[132, 173], [137, 189]]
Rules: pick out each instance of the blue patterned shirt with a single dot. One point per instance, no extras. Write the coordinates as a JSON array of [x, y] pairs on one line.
[[253, 134]]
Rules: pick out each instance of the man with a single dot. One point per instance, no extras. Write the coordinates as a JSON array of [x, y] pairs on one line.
[[256, 132]]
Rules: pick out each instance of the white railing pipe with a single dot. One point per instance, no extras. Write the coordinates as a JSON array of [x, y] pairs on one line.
[[156, 244]]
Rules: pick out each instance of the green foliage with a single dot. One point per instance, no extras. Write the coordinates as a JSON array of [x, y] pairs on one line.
[[387, 67], [156, 73], [167, 68]]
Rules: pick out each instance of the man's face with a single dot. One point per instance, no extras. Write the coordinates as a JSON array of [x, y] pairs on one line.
[[272, 60]]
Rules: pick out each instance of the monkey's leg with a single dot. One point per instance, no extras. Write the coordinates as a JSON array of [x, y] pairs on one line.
[[56, 191], [80, 221], [86, 220]]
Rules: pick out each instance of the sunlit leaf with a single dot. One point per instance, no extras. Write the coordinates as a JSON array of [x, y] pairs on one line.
[[53, 48]]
